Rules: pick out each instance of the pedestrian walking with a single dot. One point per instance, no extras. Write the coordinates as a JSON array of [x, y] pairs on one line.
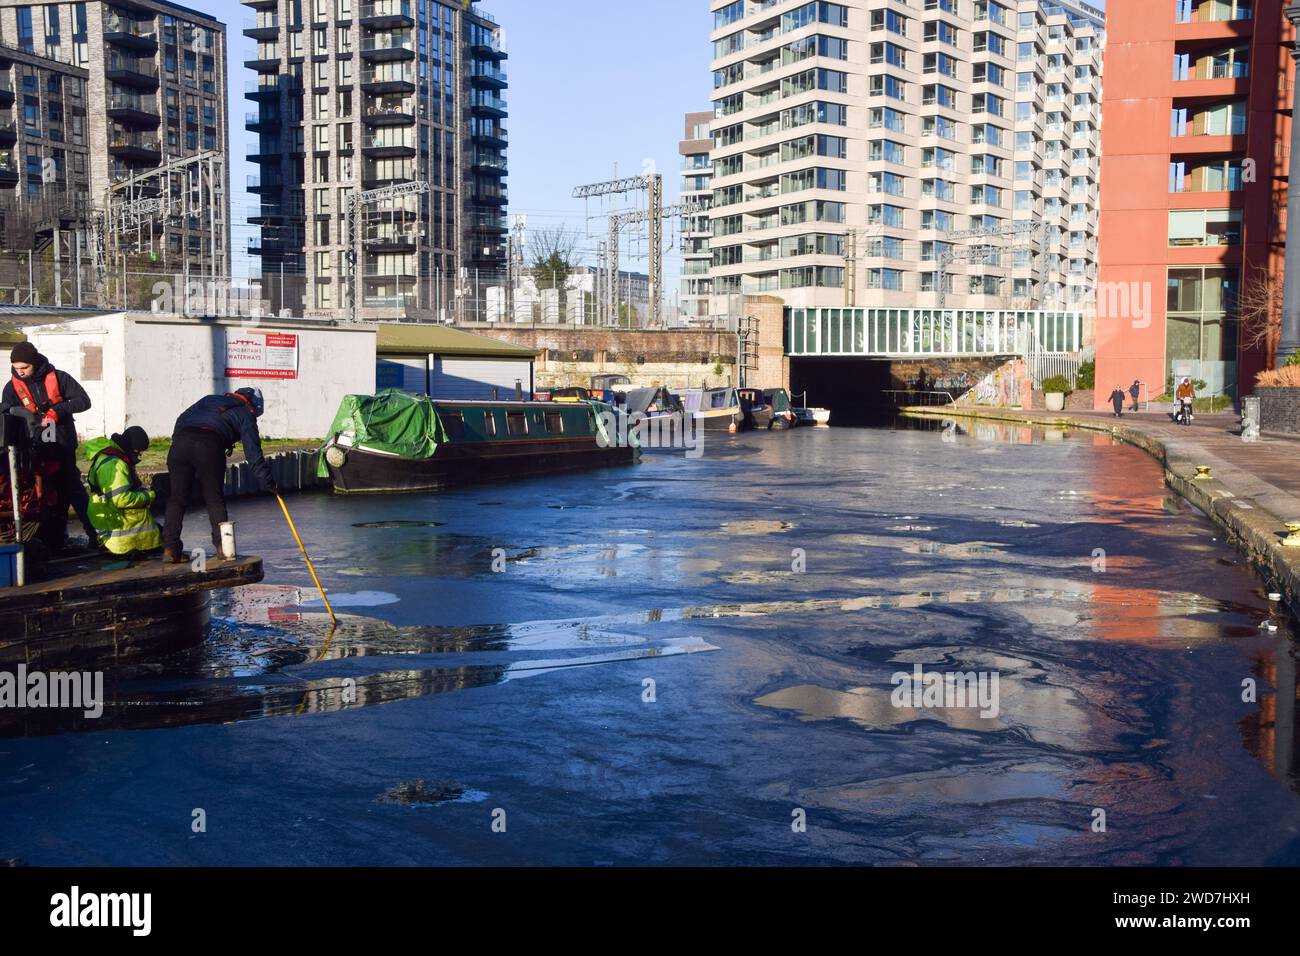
[[1117, 400], [1134, 391]]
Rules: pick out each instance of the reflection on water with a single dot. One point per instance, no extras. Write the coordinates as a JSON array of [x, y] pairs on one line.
[[811, 566]]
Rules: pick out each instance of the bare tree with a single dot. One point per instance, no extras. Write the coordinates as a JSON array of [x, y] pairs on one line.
[[1260, 308], [553, 252]]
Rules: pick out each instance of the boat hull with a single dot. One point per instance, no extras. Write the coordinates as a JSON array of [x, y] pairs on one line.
[[365, 472]]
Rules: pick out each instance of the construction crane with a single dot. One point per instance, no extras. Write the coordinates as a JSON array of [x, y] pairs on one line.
[[355, 239]]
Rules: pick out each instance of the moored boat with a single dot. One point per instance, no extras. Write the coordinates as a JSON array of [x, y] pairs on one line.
[[783, 415], [755, 408], [718, 408], [813, 416], [396, 441]]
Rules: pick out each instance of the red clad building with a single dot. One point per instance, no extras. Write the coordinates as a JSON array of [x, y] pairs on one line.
[[1195, 150]]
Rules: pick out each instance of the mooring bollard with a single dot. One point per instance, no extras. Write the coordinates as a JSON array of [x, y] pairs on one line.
[[228, 550], [1292, 540]]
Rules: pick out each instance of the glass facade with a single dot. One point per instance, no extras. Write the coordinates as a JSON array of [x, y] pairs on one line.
[[928, 331]]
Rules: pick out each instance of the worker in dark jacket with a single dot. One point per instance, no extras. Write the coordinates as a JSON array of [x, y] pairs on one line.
[[47, 400], [205, 436]]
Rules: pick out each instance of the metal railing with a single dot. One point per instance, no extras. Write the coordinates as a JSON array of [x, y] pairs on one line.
[[908, 396]]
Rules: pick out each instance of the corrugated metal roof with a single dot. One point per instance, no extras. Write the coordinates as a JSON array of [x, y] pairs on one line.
[[407, 339]]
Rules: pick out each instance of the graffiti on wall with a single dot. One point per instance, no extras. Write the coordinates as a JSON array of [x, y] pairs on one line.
[[1001, 387]]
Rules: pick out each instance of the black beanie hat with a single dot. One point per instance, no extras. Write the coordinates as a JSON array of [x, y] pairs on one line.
[[25, 353], [134, 439]]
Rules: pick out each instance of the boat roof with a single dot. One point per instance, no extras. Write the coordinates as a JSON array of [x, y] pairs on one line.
[[405, 338]]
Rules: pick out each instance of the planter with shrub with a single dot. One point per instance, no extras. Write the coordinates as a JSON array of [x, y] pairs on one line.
[[1054, 391], [1279, 399]]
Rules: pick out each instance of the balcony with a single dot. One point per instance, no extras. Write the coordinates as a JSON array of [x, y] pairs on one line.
[[488, 104], [487, 77], [6, 90], [130, 34], [267, 59], [381, 47], [486, 47], [395, 113], [265, 185], [490, 135], [388, 13], [138, 73], [8, 134], [388, 80], [392, 237], [261, 4], [134, 110], [268, 87], [487, 164], [277, 214], [262, 122], [8, 171], [491, 195], [369, 181], [135, 148], [266, 26], [387, 147]]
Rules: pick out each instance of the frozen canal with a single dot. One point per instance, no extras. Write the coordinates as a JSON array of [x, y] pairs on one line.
[[690, 662]]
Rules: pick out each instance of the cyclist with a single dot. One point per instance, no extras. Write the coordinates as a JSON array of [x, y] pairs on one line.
[[1185, 397]]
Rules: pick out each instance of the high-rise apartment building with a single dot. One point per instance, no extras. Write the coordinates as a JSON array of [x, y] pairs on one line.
[[853, 142], [697, 188], [1194, 181], [359, 95], [104, 92]]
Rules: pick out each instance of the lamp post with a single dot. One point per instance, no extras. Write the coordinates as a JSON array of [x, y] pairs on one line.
[[1290, 340]]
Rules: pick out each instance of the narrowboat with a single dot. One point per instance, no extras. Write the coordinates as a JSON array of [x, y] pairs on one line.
[[755, 408], [783, 415], [395, 441], [719, 407]]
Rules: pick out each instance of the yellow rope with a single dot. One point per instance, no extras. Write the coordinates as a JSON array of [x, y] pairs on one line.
[[285, 509]]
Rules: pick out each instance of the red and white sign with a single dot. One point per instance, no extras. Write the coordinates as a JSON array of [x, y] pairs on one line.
[[261, 354]]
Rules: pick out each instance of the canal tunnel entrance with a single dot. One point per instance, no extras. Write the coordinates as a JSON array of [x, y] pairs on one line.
[[861, 391]]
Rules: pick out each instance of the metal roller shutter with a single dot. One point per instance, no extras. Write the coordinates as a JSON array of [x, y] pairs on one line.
[[472, 379]]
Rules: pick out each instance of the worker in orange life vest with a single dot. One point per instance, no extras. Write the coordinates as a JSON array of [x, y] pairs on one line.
[[48, 399]]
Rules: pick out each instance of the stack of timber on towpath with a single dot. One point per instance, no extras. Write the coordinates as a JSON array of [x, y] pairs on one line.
[[1252, 489], [113, 612]]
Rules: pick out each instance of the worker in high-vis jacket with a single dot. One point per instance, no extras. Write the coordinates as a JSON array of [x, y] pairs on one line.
[[119, 501]]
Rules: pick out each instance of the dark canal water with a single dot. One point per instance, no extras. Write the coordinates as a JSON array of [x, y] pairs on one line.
[[454, 696]]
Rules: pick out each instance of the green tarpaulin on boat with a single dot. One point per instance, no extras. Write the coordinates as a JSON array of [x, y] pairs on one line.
[[395, 422]]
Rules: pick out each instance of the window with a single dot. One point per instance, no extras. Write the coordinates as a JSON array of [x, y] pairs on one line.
[[489, 423], [516, 423], [1201, 321], [1204, 227], [555, 423], [454, 422]]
